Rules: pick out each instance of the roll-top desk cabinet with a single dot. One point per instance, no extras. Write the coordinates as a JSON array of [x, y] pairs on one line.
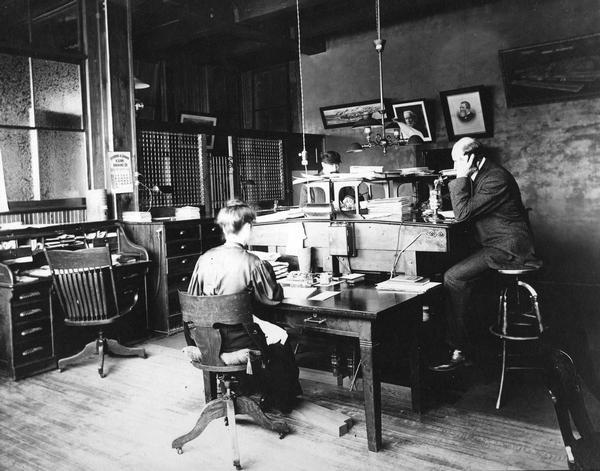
[[174, 247], [30, 324]]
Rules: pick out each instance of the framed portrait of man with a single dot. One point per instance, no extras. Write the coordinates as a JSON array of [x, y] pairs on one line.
[[414, 115], [203, 119], [467, 112]]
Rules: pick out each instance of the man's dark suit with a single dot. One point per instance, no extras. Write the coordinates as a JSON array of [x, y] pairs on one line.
[[492, 203]]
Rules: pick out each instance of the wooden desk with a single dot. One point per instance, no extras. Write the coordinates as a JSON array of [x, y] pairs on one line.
[[376, 243], [363, 312]]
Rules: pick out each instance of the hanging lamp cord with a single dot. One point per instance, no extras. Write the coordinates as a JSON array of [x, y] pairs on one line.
[[304, 153]]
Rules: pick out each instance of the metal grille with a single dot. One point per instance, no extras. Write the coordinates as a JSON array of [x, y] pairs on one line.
[[260, 168], [62, 216], [171, 159], [220, 168]]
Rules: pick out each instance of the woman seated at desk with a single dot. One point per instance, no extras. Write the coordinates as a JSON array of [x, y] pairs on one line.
[[231, 269], [330, 163]]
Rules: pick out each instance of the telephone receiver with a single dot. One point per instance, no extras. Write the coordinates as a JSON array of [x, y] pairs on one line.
[[476, 160]]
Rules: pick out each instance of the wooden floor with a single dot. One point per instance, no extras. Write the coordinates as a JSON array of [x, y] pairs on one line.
[[77, 421]]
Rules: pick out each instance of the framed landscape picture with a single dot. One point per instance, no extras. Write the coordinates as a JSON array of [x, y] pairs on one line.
[[554, 71], [467, 112], [338, 116], [204, 119], [414, 114]]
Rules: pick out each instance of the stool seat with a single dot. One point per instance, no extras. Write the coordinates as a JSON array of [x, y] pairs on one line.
[[517, 271]]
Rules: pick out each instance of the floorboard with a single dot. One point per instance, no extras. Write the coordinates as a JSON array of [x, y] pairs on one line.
[[75, 420]]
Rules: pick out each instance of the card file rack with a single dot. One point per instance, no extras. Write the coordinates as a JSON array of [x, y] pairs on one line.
[[172, 159], [220, 168], [260, 168]]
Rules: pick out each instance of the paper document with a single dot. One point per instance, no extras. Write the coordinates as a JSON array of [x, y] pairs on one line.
[[323, 295], [294, 292], [407, 287]]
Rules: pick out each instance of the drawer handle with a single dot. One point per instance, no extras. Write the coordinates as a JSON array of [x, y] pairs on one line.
[[31, 351], [182, 247], [30, 312], [130, 276], [33, 330], [315, 320], [32, 294], [128, 291], [181, 232], [183, 279], [184, 261]]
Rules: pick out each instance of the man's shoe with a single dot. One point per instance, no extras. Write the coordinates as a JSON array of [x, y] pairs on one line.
[[457, 360]]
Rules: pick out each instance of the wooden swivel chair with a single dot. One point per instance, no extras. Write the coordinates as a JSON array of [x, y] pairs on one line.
[[202, 316], [566, 394], [84, 284]]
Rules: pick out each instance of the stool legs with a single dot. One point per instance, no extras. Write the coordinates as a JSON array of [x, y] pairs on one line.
[[515, 328], [503, 375]]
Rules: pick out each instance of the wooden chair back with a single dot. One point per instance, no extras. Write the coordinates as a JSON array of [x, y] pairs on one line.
[[202, 317], [84, 284], [566, 393]]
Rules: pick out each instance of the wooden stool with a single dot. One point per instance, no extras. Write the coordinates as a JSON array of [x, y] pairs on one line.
[[519, 317]]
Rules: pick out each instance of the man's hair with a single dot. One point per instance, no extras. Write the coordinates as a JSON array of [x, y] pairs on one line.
[[466, 103], [331, 157], [234, 215], [410, 112], [474, 147]]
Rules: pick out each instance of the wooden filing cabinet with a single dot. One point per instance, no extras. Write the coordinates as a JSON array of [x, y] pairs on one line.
[[26, 326], [174, 248]]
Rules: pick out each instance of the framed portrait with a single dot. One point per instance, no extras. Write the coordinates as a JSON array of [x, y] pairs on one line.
[[554, 71], [203, 119], [414, 114], [339, 116], [467, 112]]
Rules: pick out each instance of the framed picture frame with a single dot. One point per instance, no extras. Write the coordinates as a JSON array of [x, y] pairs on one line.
[[467, 112], [550, 72], [203, 119], [339, 116], [414, 114]]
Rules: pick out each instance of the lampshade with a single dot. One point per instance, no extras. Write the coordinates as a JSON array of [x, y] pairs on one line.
[[355, 147], [139, 84]]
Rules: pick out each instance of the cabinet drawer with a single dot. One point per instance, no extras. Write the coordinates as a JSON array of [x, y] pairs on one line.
[[29, 294], [32, 350], [174, 306], [183, 247], [212, 236], [179, 281], [182, 232], [31, 311], [178, 265], [30, 331]]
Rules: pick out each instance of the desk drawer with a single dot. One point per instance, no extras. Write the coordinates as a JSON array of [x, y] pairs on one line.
[[31, 311], [318, 322], [212, 236], [32, 331], [178, 265], [183, 247], [174, 233], [32, 350], [180, 281], [29, 294]]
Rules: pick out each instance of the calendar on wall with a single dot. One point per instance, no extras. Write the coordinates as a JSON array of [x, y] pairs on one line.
[[121, 180]]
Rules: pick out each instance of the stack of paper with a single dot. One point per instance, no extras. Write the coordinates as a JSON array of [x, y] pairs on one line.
[[280, 269], [408, 283], [187, 212], [398, 208], [353, 277], [136, 216]]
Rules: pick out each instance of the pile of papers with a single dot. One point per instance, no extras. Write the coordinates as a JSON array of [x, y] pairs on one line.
[[397, 208], [187, 212], [136, 216], [352, 278], [280, 269], [407, 283]]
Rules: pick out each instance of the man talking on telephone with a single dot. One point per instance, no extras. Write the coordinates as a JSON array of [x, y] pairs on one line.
[[487, 196]]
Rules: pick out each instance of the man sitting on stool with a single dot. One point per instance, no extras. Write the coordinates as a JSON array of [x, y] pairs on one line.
[[488, 196]]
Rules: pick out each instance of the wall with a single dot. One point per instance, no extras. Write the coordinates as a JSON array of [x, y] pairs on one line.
[[553, 150]]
